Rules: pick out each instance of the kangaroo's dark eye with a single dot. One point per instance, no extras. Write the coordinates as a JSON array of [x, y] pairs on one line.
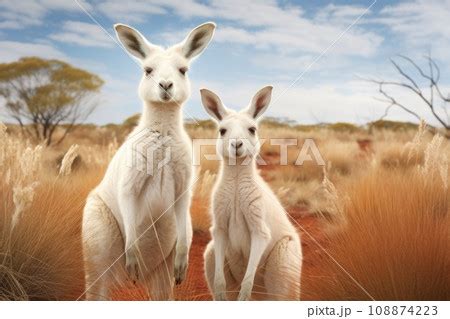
[[148, 71], [222, 131], [252, 130], [183, 70]]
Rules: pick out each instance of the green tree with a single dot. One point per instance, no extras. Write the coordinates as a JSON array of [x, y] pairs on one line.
[[44, 94]]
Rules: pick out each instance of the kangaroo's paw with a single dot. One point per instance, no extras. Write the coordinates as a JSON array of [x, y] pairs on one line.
[[220, 289], [132, 265], [246, 291], [181, 264], [220, 296]]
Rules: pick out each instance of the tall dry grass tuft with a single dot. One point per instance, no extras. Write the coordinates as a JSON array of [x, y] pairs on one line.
[[201, 219], [398, 155], [42, 254], [395, 239], [40, 218], [22, 199], [68, 159]]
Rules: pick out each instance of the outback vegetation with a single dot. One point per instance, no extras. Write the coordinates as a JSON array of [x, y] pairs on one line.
[[374, 220], [47, 93]]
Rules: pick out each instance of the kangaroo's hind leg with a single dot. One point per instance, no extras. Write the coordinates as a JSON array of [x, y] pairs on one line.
[[283, 269], [102, 249], [232, 285]]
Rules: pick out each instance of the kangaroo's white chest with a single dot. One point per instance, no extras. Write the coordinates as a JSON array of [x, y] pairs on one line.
[[164, 162], [233, 211], [238, 233], [154, 168]]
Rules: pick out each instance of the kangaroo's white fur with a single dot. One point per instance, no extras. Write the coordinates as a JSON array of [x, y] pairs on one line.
[[255, 251], [144, 211]]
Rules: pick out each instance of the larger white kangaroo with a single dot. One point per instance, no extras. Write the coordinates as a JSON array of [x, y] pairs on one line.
[[255, 251], [138, 217]]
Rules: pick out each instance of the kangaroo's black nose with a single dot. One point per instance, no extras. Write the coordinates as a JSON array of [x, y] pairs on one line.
[[237, 144], [166, 85]]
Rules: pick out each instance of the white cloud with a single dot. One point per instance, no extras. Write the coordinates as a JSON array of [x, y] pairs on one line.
[[118, 100], [84, 34], [139, 10], [288, 67], [340, 14], [327, 103], [350, 101], [21, 14], [134, 11], [10, 24], [423, 25], [256, 13], [285, 63], [286, 29], [308, 40], [419, 19], [13, 50], [263, 24]]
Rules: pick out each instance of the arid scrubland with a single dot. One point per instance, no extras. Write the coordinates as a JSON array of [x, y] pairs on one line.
[[374, 219]]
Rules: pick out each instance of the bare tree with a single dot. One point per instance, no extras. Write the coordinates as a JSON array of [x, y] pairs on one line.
[[42, 95], [429, 94]]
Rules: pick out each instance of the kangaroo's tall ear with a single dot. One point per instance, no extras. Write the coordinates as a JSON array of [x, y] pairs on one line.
[[260, 102], [198, 39], [213, 105], [133, 41]]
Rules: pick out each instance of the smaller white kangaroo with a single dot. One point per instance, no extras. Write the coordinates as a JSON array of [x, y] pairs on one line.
[[255, 252]]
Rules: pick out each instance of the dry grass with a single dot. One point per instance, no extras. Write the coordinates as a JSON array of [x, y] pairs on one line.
[[385, 199], [395, 243], [41, 257], [394, 235], [40, 218], [201, 219]]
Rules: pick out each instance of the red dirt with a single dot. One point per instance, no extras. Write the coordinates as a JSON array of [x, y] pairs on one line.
[[195, 287]]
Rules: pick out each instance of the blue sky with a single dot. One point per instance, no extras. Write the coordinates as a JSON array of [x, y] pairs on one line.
[[256, 43]]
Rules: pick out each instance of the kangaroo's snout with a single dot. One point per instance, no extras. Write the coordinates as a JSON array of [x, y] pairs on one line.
[[166, 85], [237, 144]]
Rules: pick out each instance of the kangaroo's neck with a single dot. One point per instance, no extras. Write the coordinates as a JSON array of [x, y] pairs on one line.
[[163, 117], [238, 168]]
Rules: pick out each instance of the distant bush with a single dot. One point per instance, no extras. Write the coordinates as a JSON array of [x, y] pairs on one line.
[[337, 127], [277, 122], [344, 127], [205, 124], [307, 127], [392, 125], [132, 120]]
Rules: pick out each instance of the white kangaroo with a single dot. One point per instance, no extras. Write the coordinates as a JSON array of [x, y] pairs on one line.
[[138, 217], [255, 251]]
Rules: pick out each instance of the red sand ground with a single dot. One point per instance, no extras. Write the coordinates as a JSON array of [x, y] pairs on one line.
[[195, 287]]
